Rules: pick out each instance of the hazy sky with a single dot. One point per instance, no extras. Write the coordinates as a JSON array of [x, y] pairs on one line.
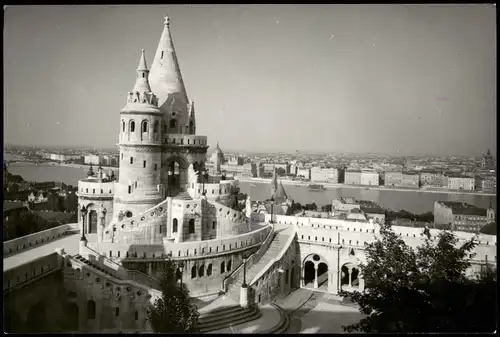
[[418, 79]]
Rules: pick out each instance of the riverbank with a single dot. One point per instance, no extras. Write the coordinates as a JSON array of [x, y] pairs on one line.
[[371, 188], [49, 163]]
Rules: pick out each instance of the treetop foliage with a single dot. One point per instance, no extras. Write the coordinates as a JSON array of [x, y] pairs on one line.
[[424, 289], [173, 312]]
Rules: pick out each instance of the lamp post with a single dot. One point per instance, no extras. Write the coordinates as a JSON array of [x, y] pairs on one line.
[[245, 259], [169, 181], [204, 174], [272, 209], [84, 214], [181, 270]]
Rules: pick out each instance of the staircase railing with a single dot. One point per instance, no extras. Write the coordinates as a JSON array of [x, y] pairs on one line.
[[136, 218], [128, 274], [283, 251], [252, 260], [117, 279]]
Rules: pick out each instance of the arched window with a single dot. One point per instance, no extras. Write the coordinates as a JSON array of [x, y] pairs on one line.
[[193, 272], [156, 126], [201, 271], [90, 309], [174, 227], [229, 265], [173, 123], [123, 125], [165, 128], [223, 267], [144, 126], [209, 270], [117, 311], [191, 226], [136, 315], [132, 126]]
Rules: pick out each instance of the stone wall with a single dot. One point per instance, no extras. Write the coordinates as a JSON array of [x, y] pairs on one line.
[[28, 241], [33, 297], [280, 277], [101, 302]]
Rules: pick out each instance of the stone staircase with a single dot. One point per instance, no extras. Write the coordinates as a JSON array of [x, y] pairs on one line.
[[183, 196], [224, 317], [95, 266], [278, 242]]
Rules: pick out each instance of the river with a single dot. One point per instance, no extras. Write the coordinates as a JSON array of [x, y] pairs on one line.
[[415, 202]]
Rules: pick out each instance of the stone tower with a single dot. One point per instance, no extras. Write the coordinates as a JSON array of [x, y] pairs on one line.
[[181, 147], [166, 82], [139, 187]]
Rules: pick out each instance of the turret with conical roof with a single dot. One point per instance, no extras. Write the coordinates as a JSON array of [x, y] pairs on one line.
[[141, 94], [167, 83], [140, 147]]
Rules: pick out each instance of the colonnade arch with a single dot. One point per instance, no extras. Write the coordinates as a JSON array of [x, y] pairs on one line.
[[315, 272], [350, 277], [176, 175]]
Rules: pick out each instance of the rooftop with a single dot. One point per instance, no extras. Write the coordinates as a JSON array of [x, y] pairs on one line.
[[10, 205], [464, 208]]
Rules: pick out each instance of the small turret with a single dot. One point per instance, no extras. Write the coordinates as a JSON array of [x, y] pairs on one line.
[[142, 91], [90, 172]]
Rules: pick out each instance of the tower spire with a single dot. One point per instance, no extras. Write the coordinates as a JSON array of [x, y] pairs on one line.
[[142, 83], [166, 78]]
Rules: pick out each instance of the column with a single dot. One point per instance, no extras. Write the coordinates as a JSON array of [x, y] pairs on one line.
[[350, 276], [315, 276], [150, 268], [82, 316], [98, 312], [361, 282], [169, 218], [303, 278]]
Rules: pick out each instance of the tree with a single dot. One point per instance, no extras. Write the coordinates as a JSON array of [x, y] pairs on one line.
[[280, 171], [426, 217], [173, 312], [490, 229], [326, 208], [424, 289], [296, 207]]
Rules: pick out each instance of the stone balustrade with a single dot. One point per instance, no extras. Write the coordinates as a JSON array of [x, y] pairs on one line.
[[351, 226], [185, 140], [29, 241], [222, 188], [143, 218], [252, 259], [359, 237], [92, 187], [33, 270], [182, 250], [128, 279], [277, 259]]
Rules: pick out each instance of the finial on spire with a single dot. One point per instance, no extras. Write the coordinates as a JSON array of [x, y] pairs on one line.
[[142, 61], [167, 20]]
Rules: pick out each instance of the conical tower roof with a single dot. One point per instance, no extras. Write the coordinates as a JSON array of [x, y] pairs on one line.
[[165, 77], [142, 83]]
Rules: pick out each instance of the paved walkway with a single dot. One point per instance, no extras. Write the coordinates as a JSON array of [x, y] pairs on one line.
[[329, 318], [70, 243], [224, 301], [295, 300], [270, 317]]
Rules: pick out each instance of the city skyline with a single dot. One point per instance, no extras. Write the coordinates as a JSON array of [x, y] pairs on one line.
[[342, 52]]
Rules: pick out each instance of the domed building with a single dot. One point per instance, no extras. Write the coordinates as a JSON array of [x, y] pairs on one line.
[[217, 158]]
